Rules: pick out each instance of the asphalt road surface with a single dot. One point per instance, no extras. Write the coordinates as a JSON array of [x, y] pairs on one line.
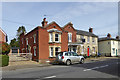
[[100, 70]]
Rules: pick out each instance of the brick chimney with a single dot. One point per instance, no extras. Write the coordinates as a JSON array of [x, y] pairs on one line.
[[117, 37], [91, 30], [44, 22], [109, 35]]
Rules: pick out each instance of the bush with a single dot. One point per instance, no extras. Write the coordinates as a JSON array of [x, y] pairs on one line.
[[4, 60], [5, 48]]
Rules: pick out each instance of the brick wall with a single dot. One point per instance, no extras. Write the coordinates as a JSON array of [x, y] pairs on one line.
[[2, 37], [69, 28]]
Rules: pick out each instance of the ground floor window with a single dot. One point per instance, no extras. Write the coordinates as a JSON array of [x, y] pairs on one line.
[[93, 49], [69, 49], [113, 50], [57, 50], [34, 51], [51, 52], [82, 50], [74, 49], [118, 50]]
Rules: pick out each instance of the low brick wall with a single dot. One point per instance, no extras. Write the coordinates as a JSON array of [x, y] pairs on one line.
[[52, 59]]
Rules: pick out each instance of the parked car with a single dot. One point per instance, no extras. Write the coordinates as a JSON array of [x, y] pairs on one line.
[[69, 58]]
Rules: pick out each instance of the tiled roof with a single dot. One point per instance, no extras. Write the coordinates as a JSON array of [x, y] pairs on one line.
[[85, 33], [107, 38]]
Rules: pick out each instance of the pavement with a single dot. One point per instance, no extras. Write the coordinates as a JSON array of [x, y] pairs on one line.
[[96, 69], [33, 64]]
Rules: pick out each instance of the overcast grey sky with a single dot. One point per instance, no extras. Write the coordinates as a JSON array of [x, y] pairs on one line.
[[102, 16]]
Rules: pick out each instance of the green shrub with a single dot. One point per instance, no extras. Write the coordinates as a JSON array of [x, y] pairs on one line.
[[4, 60]]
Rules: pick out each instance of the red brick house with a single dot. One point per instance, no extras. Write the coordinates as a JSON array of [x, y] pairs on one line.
[[44, 41], [3, 36]]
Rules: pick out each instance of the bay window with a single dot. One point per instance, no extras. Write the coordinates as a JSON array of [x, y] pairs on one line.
[[51, 37], [56, 37]]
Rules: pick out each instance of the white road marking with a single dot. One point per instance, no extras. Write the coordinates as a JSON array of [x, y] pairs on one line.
[[118, 63], [96, 68], [103, 66], [50, 77]]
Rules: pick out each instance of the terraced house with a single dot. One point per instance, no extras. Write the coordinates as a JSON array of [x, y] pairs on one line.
[[109, 46], [82, 42], [46, 40]]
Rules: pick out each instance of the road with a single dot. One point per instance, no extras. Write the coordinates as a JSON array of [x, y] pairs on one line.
[[108, 69]]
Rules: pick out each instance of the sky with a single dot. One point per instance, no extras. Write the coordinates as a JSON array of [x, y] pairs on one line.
[[101, 16]]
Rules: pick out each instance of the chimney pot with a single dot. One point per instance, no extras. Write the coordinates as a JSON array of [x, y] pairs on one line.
[[44, 22], [117, 37], [44, 19], [109, 35], [91, 30]]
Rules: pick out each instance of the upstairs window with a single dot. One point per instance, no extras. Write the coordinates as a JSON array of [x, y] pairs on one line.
[[93, 40], [34, 36], [69, 37], [113, 42], [56, 37], [51, 37], [88, 39]]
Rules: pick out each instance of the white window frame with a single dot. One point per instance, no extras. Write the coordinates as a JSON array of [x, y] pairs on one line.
[[57, 37], [69, 37], [93, 49], [34, 37], [82, 50], [51, 37], [34, 50], [26, 41], [51, 51], [113, 42], [58, 49], [113, 49]]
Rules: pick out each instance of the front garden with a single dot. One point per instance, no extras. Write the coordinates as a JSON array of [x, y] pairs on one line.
[[4, 50]]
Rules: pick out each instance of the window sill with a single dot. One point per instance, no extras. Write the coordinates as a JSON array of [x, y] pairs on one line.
[[54, 42], [52, 57]]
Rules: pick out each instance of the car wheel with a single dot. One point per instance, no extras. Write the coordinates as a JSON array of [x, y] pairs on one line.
[[82, 61], [68, 62]]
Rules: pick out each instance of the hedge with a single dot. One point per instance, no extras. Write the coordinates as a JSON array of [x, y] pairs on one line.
[[4, 60]]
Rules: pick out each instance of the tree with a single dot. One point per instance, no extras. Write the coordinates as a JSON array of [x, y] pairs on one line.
[[5, 48], [15, 42], [20, 31]]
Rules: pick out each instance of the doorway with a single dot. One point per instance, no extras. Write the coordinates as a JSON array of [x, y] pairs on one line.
[[116, 52], [88, 51]]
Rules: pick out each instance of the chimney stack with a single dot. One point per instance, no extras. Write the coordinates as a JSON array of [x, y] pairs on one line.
[[117, 37], [91, 30], [109, 35], [44, 22]]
